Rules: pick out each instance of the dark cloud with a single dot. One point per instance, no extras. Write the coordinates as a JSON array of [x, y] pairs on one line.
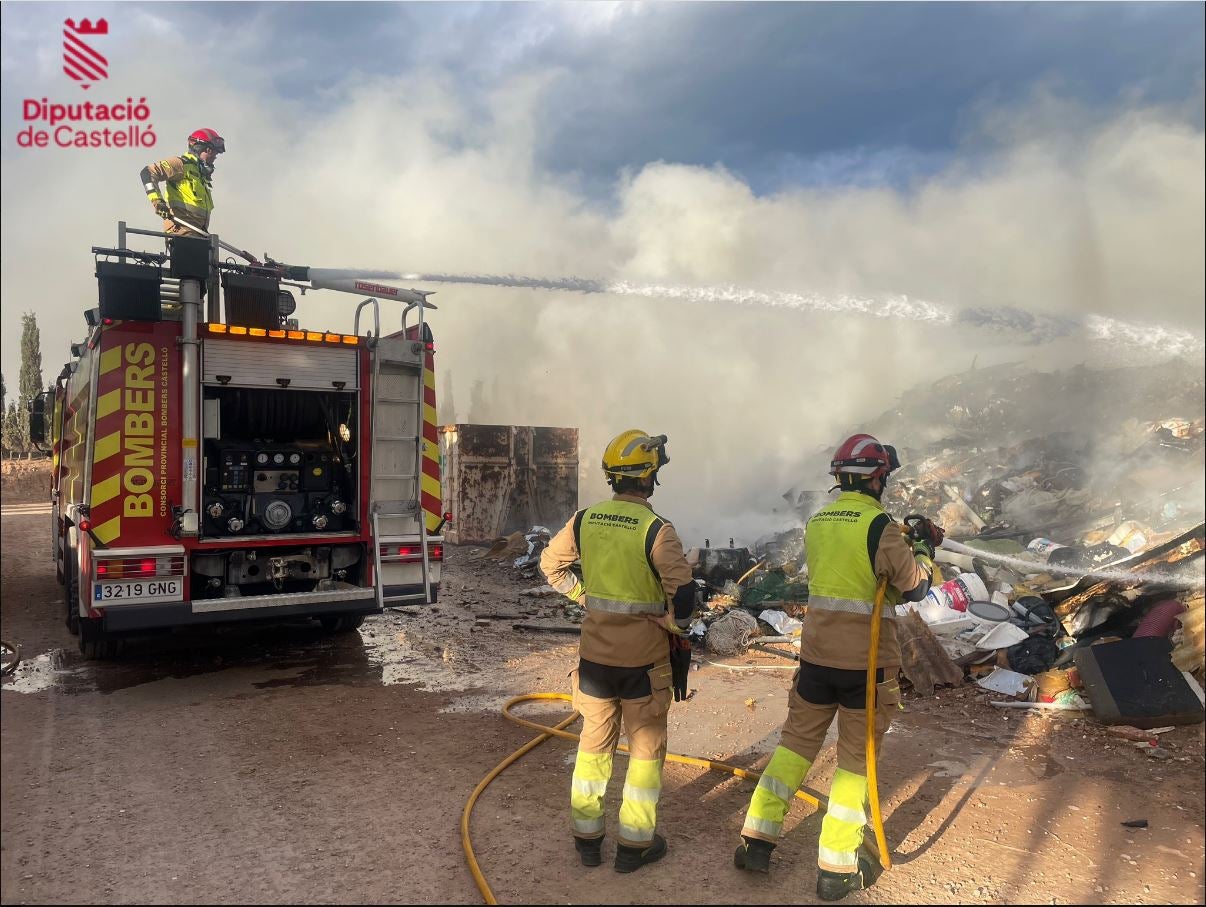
[[764, 88]]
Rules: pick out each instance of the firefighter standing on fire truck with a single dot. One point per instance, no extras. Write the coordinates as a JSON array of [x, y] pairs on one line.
[[848, 544], [188, 181], [639, 595]]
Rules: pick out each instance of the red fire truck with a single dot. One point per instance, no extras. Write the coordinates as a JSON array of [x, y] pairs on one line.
[[227, 464]]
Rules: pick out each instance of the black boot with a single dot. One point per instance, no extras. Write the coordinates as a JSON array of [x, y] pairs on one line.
[[590, 850], [833, 886], [629, 859], [754, 855]]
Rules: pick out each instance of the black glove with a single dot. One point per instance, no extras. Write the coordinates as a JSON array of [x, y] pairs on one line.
[[162, 209], [680, 665]]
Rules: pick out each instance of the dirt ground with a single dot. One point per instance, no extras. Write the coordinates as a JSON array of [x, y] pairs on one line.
[[278, 764]]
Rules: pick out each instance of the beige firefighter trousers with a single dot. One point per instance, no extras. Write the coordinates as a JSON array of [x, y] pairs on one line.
[[644, 721], [807, 723]]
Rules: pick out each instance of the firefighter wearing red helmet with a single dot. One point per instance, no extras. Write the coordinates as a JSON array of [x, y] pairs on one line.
[[639, 596], [848, 544], [188, 183]]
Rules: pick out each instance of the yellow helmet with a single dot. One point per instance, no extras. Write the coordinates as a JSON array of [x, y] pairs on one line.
[[634, 453]]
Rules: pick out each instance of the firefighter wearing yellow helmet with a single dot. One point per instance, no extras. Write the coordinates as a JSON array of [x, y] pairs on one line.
[[639, 596]]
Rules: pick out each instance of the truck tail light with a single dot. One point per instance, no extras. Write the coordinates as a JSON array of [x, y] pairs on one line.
[[412, 553], [139, 567]]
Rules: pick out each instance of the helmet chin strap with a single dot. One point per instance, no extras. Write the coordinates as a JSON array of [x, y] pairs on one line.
[[863, 487]]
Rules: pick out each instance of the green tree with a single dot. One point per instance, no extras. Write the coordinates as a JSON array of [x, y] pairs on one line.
[[31, 373], [10, 433]]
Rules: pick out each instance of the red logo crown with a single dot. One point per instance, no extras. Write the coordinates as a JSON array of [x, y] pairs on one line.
[[81, 61], [87, 28]]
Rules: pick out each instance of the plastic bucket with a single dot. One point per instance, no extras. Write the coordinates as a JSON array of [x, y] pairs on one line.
[[956, 593]]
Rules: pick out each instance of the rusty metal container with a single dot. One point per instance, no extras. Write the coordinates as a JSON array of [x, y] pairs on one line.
[[499, 479]]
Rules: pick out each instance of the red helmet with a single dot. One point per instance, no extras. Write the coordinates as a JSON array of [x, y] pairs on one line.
[[863, 455], [207, 137]]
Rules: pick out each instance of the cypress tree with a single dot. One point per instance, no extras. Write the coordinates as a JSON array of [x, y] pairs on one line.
[[10, 432], [31, 373]]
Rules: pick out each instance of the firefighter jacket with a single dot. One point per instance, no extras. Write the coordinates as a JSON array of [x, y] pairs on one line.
[[848, 545], [187, 188], [632, 564]]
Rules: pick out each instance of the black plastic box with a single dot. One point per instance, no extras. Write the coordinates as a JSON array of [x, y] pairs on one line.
[[189, 258], [129, 292], [1133, 681], [251, 301]]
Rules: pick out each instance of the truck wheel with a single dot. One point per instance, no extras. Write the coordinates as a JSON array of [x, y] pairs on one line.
[[341, 623], [94, 642], [71, 600]]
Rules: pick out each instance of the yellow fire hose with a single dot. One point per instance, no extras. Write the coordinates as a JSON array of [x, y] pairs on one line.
[[877, 822], [559, 731]]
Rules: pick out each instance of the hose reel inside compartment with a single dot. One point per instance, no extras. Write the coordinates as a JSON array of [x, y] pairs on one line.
[[279, 462]]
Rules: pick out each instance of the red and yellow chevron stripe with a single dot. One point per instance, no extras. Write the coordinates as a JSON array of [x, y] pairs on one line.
[[429, 483], [429, 476], [106, 451]]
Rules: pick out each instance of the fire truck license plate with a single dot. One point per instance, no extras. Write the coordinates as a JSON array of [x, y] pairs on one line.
[[141, 590]]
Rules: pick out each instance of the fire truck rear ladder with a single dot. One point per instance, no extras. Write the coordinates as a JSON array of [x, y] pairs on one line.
[[409, 508]]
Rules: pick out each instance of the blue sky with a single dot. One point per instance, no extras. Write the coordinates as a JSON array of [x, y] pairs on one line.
[[1040, 163]]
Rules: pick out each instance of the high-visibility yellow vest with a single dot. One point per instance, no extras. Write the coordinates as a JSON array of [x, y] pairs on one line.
[[190, 194], [614, 541], [841, 576]]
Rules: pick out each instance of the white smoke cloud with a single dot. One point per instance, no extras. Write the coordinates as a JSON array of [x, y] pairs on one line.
[[1101, 222]]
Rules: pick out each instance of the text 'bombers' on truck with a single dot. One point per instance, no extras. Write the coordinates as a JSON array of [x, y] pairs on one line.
[[239, 467]]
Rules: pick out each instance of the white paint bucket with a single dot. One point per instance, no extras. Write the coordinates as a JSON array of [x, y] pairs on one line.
[[956, 593]]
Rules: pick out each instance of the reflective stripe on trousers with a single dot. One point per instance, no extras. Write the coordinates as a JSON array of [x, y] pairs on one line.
[[592, 771], [614, 606], [773, 795], [849, 605], [638, 811], [842, 827]]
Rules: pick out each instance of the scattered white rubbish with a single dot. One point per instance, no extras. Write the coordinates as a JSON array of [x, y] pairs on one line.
[[1003, 680], [785, 625]]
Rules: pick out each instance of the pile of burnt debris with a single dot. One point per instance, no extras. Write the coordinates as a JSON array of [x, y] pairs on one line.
[[1072, 575], [1072, 578]]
